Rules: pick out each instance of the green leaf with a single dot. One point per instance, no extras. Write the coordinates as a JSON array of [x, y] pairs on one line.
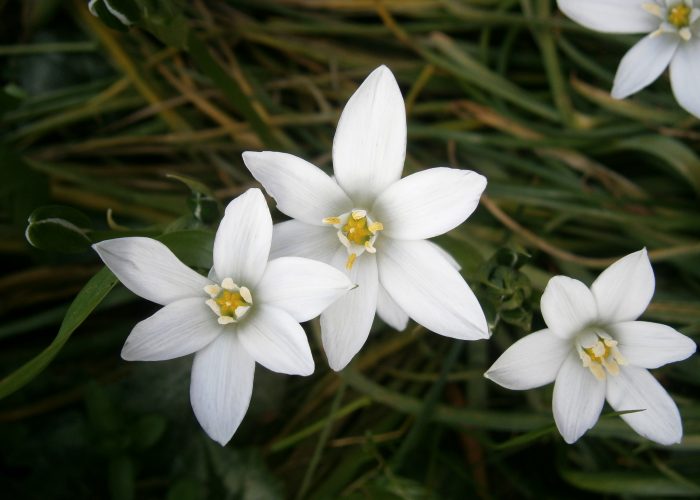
[[108, 18], [674, 153], [89, 297], [194, 248], [626, 483], [57, 228]]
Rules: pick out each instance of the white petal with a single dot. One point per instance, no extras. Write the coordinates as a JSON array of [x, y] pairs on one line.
[[636, 389], [389, 311], [578, 399], [345, 325], [242, 243], [150, 270], [276, 340], [623, 291], [428, 203], [685, 75], [432, 292], [447, 256], [301, 287], [650, 345], [532, 361], [294, 238], [178, 329], [221, 385], [369, 147], [643, 63], [567, 306], [610, 16], [301, 190]]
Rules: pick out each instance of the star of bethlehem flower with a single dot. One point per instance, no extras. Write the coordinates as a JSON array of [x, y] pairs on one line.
[[247, 310], [674, 38], [374, 224], [593, 350]]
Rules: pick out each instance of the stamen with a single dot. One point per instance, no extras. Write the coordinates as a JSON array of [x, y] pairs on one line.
[[228, 284], [212, 290], [333, 221], [375, 226], [245, 293], [359, 214], [225, 320], [685, 33], [351, 261], [602, 356], [213, 306], [369, 247], [240, 311]]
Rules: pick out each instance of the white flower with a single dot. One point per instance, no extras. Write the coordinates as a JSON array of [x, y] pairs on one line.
[[594, 350], [248, 310], [374, 224], [674, 38]]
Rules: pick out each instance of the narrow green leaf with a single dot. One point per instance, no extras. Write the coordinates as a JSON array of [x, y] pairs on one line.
[[674, 153], [89, 297], [624, 483]]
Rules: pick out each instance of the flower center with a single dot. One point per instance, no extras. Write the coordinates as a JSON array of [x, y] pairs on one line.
[[598, 352], [228, 301], [679, 15], [357, 232], [677, 18]]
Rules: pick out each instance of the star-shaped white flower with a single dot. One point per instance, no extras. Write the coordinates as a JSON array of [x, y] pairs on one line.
[[594, 350], [248, 310], [375, 224], [674, 38]]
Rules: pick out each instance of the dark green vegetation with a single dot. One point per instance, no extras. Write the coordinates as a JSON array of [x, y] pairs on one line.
[[107, 133]]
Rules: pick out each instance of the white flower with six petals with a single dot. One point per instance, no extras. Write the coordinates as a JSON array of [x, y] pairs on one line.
[[593, 350], [248, 310], [373, 223], [674, 38]]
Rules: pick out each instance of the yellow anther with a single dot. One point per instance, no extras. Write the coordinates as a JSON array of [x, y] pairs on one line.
[[351, 261], [375, 226], [602, 354], [359, 214], [333, 221], [679, 15]]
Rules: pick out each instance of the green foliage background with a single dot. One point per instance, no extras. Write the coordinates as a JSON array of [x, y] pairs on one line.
[[107, 131]]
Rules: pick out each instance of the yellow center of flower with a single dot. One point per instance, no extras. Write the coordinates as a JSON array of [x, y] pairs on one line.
[[602, 356], [228, 301], [679, 15], [357, 232]]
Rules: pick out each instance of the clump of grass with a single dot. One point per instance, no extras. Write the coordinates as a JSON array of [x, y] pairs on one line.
[[97, 119]]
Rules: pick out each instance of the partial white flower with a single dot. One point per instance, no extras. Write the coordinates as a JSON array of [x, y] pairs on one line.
[[673, 28], [371, 222], [595, 350], [248, 310]]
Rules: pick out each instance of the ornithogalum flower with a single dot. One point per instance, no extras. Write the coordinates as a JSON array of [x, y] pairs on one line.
[[673, 28], [593, 349], [247, 310], [374, 224]]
